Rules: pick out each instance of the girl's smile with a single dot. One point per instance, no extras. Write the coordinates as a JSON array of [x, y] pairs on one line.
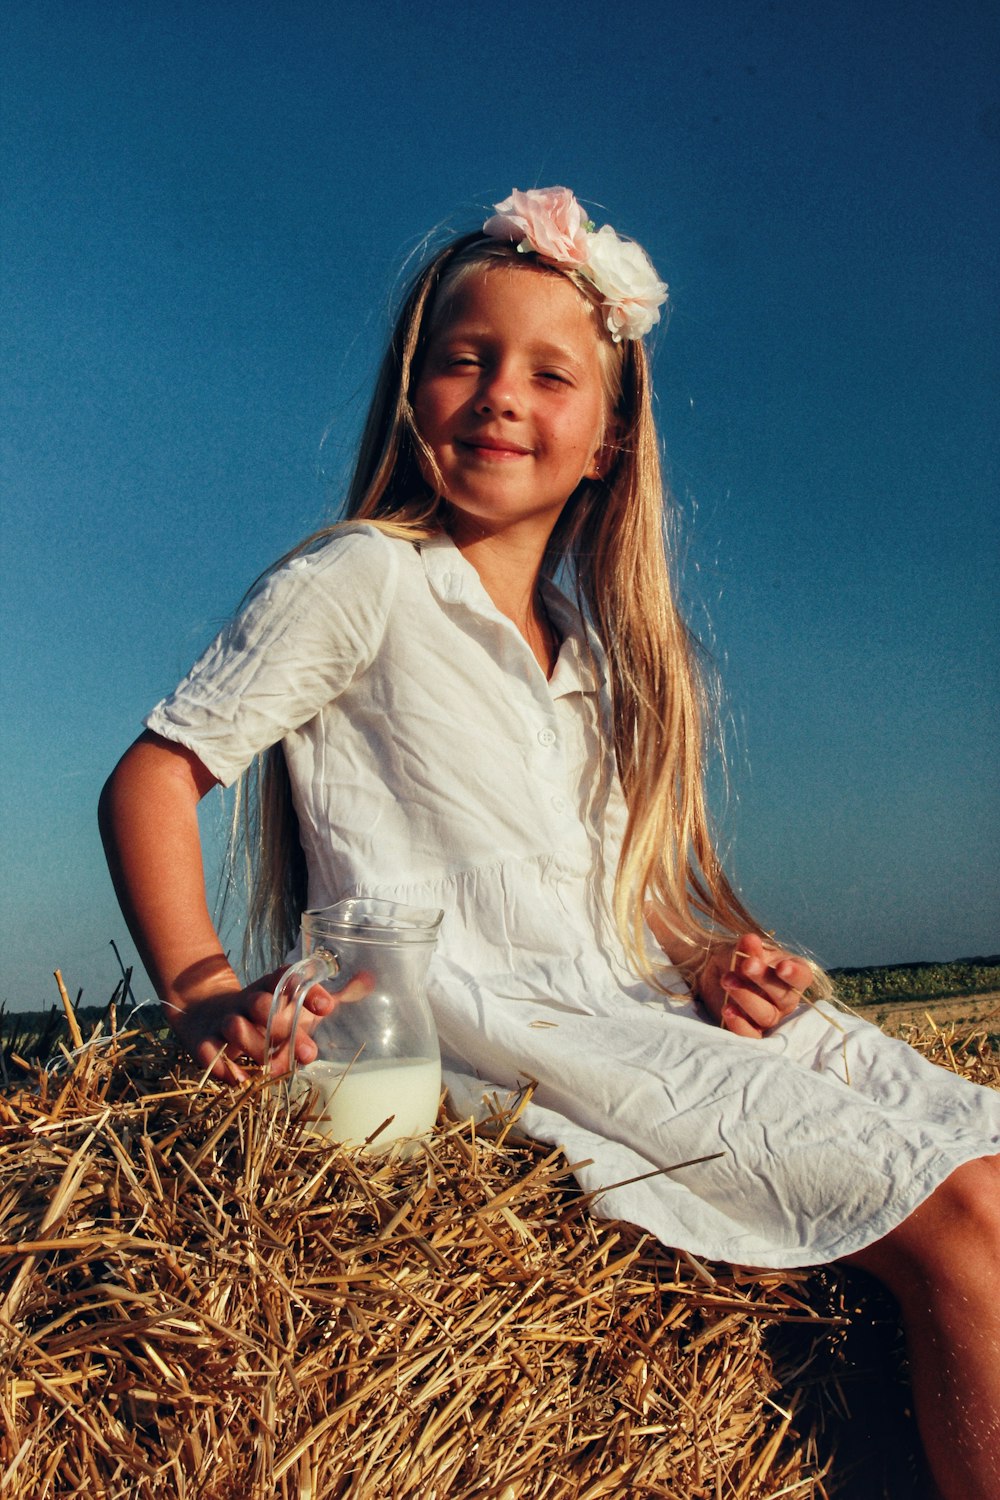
[[493, 449], [511, 401]]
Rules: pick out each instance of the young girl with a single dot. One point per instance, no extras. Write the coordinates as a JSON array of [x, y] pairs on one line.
[[443, 727]]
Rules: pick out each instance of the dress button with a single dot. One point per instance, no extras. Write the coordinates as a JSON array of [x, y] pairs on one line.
[[546, 736], [560, 804]]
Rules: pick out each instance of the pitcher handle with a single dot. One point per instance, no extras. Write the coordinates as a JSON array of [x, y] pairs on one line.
[[292, 989]]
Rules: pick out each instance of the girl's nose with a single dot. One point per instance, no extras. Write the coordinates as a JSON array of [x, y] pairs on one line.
[[498, 393]]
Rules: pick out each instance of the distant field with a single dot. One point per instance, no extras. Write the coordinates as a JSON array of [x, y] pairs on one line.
[[912, 982], [894, 996], [897, 996], [977, 1012]]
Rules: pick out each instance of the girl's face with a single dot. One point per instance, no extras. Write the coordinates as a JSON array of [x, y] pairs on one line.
[[511, 401]]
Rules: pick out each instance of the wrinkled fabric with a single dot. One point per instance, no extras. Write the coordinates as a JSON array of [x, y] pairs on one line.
[[432, 763]]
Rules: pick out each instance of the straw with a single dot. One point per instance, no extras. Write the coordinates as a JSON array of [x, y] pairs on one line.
[[201, 1299]]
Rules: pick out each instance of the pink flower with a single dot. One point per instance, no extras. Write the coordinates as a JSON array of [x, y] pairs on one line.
[[550, 223], [549, 219]]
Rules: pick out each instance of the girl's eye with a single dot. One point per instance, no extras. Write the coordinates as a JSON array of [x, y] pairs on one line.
[[553, 377]]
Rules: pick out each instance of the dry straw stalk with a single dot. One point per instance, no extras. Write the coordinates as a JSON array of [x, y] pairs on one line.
[[199, 1299]]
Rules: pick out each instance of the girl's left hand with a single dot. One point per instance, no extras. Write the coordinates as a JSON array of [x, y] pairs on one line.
[[749, 987]]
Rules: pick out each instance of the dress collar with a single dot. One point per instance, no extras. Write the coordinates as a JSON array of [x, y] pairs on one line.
[[455, 581]]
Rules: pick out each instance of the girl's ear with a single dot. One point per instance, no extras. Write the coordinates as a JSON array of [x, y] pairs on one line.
[[603, 460]]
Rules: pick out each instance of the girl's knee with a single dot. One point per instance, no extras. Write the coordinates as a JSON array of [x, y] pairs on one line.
[[967, 1203], [953, 1237], [957, 1230]]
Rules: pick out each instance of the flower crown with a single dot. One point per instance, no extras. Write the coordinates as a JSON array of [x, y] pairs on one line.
[[550, 223]]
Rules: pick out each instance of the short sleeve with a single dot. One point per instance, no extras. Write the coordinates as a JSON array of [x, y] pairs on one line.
[[311, 627]]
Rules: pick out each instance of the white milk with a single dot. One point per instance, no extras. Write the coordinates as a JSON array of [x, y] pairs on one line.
[[348, 1106]]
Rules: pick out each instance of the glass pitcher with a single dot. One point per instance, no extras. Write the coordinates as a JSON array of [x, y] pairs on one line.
[[376, 1078]]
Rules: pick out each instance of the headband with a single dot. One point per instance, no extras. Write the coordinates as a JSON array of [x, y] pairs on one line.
[[550, 223]]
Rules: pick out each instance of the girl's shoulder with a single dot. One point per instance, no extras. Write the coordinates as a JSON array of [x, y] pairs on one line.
[[353, 555], [361, 542], [346, 571]]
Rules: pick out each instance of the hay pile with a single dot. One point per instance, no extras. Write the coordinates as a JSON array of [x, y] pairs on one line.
[[201, 1299]]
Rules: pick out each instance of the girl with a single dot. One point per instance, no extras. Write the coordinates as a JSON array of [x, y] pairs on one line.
[[443, 727]]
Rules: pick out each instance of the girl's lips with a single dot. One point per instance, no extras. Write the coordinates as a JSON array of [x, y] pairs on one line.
[[490, 449]]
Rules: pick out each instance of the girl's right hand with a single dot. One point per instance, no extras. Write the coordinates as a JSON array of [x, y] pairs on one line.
[[226, 1032]]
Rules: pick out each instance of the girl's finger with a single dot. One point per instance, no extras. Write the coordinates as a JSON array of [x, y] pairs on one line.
[[212, 1050], [243, 1041], [260, 997], [756, 1006], [735, 1020], [321, 1001], [784, 997], [795, 973], [306, 1049], [280, 1058], [778, 976]]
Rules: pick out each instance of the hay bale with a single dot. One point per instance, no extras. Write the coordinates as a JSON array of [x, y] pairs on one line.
[[199, 1298]]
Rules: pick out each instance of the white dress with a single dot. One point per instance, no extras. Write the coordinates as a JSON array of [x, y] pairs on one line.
[[433, 764]]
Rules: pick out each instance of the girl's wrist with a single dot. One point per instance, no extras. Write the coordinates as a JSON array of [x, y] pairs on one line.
[[206, 979]]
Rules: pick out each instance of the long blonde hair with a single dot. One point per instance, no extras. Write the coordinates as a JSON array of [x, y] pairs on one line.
[[611, 537]]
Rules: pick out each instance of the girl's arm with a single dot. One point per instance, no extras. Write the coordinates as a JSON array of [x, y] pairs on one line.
[[149, 823], [747, 986]]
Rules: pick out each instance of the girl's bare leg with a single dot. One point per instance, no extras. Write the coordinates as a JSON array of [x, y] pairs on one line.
[[942, 1264]]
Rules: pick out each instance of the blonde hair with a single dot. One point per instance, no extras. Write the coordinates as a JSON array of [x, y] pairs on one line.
[[611, 536]]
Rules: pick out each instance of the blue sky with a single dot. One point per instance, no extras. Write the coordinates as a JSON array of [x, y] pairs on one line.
[[205, 210]]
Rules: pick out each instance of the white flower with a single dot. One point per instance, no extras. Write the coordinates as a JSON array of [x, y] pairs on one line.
[[550, 222], [625, 277]]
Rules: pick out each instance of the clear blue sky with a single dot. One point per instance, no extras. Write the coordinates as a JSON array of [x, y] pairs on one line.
[[205, 207]]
